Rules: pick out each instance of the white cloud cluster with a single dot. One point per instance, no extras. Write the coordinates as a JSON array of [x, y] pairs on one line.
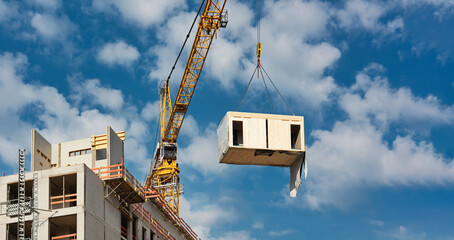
[[118, 53], [92, 91], [373, 97], [206, 161], [52, 27], [202, 215], [171, 37], [360, 14], [26, 106], [354, 155], [144, 13], [402, 233], [297, 66], [7, 10]]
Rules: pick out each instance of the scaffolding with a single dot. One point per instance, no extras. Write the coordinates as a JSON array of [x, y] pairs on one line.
[[131, 192], [35, 223], [21, 202]]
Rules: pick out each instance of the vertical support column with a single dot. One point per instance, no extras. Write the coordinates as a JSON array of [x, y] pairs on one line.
[[21, 191], [35, 224]]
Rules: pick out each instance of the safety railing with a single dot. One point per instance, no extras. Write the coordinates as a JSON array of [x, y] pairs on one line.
[[179, 222], [124, 232], [65, 237], [62, 199], [138, 208], [119, 171], [108, 172]]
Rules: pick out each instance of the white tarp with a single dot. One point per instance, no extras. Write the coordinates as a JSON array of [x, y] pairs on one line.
[[296, 170]]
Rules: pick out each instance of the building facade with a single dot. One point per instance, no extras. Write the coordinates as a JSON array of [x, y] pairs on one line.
[[85, 192]]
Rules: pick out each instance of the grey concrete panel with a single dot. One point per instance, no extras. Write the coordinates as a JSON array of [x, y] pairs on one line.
[[114, 147], [94, 229], [94, 194]]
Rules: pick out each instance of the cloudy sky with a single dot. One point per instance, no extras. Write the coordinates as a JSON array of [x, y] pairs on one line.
[[373, 79]]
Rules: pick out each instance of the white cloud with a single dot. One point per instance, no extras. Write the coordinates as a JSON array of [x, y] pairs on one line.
[[257, 225], [280, 233], [26, 106], [118, 53], [377, 223], [287, 26], [92, 91], [354, 155], [206, 161], [151, 111], [201, 213], [402, 233], [144, 13], [238, 235], [367, 15], [171, 37], [51, 27], [7, 10], [372, 96]]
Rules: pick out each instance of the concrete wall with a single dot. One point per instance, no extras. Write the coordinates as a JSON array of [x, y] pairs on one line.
[[114, 147], [41, 152]]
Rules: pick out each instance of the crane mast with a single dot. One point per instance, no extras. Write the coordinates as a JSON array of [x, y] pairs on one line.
[[164, 174]]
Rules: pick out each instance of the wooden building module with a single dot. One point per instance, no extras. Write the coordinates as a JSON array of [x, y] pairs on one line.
[[260, 139]]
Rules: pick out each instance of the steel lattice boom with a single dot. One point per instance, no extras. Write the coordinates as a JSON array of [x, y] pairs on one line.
[[164, 175]]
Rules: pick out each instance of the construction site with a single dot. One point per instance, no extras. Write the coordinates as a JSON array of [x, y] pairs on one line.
[[81, 189]]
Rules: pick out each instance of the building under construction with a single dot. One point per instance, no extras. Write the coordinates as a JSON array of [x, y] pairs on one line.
[[82, 190]]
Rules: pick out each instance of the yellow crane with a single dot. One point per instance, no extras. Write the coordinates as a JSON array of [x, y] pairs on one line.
[[164, 174]]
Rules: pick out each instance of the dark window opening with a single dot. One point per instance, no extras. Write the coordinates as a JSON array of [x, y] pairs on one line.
[[144, 232], [124, 226], [63, 191], [134, 229], [13, 198], [266, 130], [295, 131], [11, 231], [151, 234], [237, 133], [101, 154], [63, 227]]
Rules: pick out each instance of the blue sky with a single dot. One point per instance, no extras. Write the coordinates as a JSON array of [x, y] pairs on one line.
[[374, 80]]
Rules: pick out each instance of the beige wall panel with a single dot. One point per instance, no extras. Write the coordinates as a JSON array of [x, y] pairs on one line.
[[278, 134], [255, 132], [55, 154], [41, 152], [74, 146]]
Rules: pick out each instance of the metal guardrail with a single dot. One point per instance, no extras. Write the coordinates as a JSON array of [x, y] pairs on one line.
[[62, 199], [67, 236], [138, 208]]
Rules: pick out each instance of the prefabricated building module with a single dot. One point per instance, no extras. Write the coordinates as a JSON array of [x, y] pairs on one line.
[[266, 140]]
